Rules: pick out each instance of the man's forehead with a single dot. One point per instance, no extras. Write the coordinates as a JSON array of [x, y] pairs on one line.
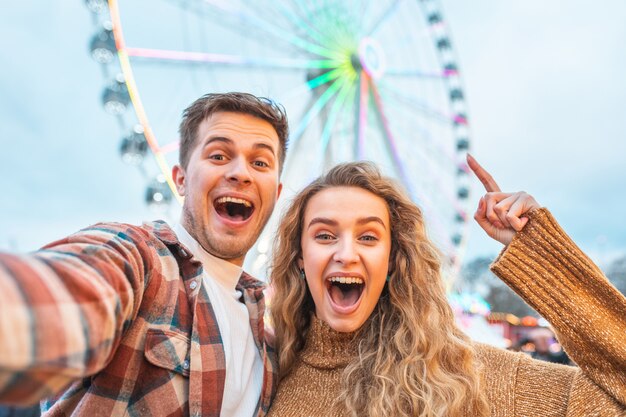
[[242, 123]]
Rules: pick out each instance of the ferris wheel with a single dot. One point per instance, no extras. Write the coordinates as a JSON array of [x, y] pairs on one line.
[[375, 80]]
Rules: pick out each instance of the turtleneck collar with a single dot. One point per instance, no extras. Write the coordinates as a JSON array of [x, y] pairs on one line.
[[326, 348]]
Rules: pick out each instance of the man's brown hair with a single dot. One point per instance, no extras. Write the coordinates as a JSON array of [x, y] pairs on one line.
[[208, 104]]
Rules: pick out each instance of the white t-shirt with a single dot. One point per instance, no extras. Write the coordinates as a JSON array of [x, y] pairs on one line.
[[244, 366]]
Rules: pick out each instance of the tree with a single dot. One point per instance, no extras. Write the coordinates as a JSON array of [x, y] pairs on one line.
[[477, 278], [616, 273]]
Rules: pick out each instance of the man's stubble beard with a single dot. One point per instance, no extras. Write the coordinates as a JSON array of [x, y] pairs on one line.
[[224, 250]]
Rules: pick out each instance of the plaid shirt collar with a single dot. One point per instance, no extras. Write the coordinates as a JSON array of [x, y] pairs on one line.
[[252, 294]]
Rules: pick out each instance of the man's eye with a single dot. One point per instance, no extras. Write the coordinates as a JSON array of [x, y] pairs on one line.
[[217, 157], [261, 164]]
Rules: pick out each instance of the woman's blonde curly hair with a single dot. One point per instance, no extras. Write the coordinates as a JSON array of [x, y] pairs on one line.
[[413, 360]]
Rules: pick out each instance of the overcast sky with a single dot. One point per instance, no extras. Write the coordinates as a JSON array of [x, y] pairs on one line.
[[544, 84]]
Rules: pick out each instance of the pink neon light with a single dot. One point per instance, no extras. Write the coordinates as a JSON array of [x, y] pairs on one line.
[[170, 147], [183, 56], [460, 119], [363, 99], [387, 129]]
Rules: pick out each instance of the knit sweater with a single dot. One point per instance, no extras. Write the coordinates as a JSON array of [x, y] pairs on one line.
[[550, 272]]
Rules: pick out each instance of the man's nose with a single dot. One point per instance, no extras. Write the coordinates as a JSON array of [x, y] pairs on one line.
[[239, 171]]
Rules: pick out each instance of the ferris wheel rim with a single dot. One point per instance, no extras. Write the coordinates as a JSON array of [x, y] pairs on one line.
[[366, 79]]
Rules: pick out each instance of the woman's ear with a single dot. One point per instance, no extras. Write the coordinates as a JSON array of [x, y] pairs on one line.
[[300, 263]]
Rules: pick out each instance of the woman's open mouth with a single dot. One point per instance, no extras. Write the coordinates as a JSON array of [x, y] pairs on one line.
[[234, 209], [345, 292]]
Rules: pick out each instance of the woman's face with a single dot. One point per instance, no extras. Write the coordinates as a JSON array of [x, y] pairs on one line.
[[346, 242]]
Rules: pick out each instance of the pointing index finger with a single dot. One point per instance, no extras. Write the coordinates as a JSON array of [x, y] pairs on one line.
[[488, 182]]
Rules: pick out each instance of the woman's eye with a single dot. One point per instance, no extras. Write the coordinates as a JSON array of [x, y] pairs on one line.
[[369, 238], [323, 236]]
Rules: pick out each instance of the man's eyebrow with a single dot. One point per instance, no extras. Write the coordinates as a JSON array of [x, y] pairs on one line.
[[261, 145], [227, 141], [218, 139], [361, 221]]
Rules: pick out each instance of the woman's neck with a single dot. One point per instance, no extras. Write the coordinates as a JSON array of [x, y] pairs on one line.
[[326, 348]]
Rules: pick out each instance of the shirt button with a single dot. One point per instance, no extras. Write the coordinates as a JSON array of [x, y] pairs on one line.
[[193, 285], [186, 364]]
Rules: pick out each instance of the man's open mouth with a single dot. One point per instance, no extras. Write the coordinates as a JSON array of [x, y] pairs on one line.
[[234, 209], [345, 291]]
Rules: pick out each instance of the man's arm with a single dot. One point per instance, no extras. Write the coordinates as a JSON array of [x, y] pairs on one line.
[[64, 308]]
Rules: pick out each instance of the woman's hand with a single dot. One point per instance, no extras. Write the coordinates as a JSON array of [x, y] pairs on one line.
[[500, 214]]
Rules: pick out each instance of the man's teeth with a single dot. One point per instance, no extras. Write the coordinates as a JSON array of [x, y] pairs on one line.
[[346, 280], [234, 200]]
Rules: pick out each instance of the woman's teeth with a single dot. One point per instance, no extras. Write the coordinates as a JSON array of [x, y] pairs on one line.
[[346, 280]]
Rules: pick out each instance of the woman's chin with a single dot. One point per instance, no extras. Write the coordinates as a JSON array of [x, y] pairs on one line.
[[343, 324]]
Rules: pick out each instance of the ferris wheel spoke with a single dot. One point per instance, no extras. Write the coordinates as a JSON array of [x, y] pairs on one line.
[[445, 192], [414, 104], [399, 165], [410, 110], [365, 11], [334, 21], [302, 22], [322, 22], [253, 20], [428, 158], [306, 87], [385, 15], [169, 147], [199, 58], [346, 90], [415, 73], [314, 109], [389, 139], [361, 107], [316, 23]]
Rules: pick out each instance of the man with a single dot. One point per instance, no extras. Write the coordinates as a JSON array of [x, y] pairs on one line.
[[126, 320]]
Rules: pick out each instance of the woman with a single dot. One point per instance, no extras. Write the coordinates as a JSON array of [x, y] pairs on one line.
[[363, 327]]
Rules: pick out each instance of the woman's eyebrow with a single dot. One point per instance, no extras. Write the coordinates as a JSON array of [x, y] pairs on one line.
[[361, 221], [322, 220], [370, 219]]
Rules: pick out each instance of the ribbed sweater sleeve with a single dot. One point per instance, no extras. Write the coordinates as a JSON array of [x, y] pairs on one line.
[[544, 266]]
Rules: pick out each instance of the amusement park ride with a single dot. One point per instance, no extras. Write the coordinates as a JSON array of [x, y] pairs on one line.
[[374, 80]]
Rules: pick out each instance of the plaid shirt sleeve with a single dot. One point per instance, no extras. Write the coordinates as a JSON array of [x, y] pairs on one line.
[[63, 309]]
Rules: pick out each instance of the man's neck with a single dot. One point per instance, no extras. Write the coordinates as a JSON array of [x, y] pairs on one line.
[[191, 231]]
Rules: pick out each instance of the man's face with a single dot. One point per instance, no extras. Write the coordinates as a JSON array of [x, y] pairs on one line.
[[231, 183]]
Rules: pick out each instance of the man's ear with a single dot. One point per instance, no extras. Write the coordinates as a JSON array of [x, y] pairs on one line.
[[178, 175]]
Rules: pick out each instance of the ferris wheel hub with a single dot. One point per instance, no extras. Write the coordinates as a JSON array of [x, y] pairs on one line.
[[371, 58]]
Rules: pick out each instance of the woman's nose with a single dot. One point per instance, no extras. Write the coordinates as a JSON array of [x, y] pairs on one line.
[[346, 252]]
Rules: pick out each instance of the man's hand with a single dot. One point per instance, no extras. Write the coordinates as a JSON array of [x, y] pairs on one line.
[[500, 214]]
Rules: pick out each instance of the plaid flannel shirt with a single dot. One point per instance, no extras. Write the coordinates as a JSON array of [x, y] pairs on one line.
[[114, 320]]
